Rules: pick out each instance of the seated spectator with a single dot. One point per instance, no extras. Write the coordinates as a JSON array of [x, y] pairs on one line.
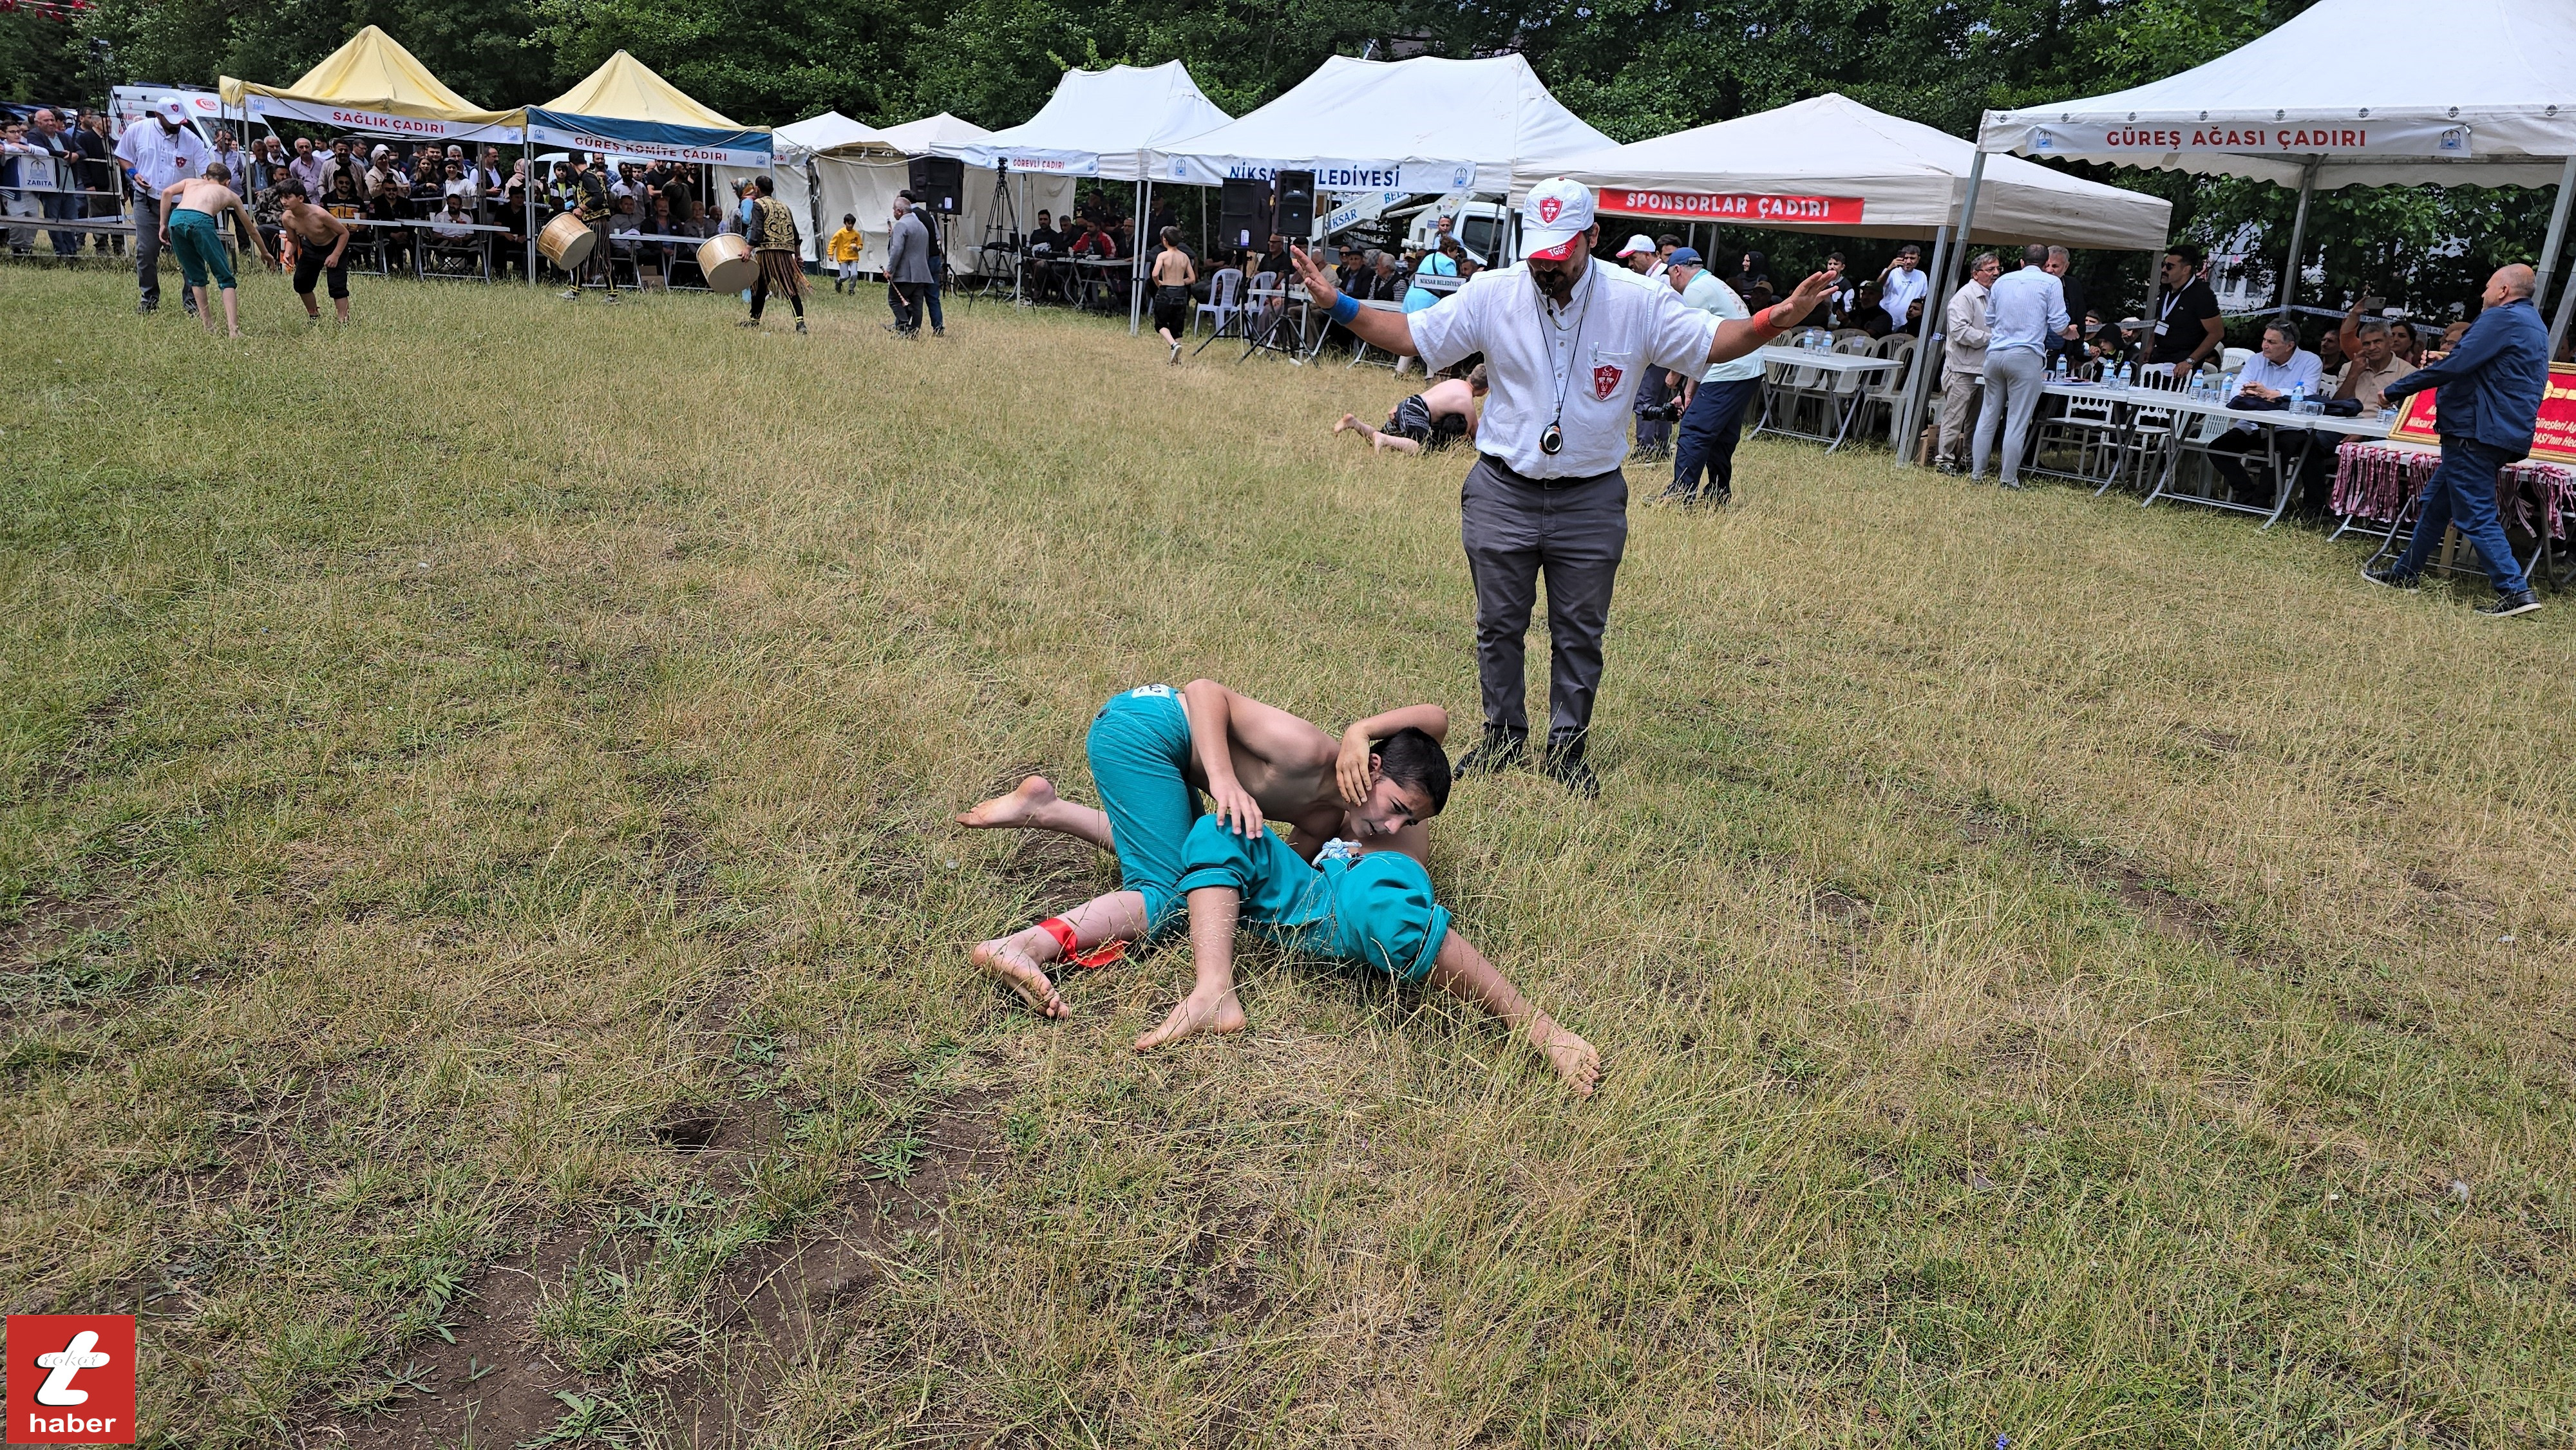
[[2407, 345], [389, 207], [346, 199], [1760, 297], [269, 212], [2330, 355], [2451, 336], [2108, 348], [381, 165], [457, 182], [2373, 367], [1864, 312], [456, 246], [2271, 375], [1386, 280]]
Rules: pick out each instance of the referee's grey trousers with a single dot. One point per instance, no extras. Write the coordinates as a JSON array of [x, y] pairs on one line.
[[1575, 529]]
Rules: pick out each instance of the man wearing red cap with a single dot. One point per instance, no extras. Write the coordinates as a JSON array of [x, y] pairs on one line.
[[163, 151], [1566, 341]]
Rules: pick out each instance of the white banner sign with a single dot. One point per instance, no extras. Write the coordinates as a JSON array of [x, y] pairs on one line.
[[627, 146], [381, 123], [2294, 138], [1409, 177]]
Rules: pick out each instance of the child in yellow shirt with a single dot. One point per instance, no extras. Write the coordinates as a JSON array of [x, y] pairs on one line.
[[845, 246]]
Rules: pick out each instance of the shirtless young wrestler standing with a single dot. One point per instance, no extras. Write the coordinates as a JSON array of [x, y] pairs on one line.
[[188, 211], [321, 250], [1149, 749]]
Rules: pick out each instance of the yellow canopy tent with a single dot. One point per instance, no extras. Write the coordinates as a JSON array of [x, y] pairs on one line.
[[374, 85], [624, 107]]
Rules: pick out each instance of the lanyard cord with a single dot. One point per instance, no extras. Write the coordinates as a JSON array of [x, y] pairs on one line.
[[1566, 376]]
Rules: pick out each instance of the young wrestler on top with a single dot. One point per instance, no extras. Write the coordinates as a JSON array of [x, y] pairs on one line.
[[1152, 749]]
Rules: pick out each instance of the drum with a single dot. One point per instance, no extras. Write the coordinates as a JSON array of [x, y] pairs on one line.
[[567, 241], [728, 262]]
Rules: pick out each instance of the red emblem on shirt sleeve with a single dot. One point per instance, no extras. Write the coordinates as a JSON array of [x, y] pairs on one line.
[[1605, 381]]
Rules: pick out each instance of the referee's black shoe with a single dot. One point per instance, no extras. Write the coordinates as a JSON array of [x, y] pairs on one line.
[[2506, 606], [1499, 751], [1564, 764]]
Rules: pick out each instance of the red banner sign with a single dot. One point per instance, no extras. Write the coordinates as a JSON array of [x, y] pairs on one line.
[[1754, 208], [2553, 440]]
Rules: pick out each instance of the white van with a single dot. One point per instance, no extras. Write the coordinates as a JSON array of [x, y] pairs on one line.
[[129, 104], [1479, 228]]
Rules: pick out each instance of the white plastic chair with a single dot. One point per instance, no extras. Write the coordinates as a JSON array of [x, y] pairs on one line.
[[1224, 300]]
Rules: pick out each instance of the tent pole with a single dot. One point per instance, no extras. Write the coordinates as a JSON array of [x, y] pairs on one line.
[[2548, 249], [1939, 298], [2558, 328], [528, 195], [2298, 237], [1136, 263], [1927, 334]]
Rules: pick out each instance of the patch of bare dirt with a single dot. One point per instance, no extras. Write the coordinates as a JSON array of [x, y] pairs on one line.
[[775, 1306]]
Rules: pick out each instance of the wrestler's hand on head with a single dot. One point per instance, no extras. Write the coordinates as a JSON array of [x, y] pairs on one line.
[[1351, 769]]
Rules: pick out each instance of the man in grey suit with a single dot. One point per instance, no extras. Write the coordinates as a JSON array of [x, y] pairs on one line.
[[910, 279]]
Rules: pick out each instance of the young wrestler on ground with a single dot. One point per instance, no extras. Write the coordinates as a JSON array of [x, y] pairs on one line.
[[1429, 419], [1151, 748], [1373, 910]]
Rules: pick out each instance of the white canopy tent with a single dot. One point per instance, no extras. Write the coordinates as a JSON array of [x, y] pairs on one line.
[[1420, 125], [1835, 166], [841, 167], [2481, 94], [1098, 123], [2485, 95]]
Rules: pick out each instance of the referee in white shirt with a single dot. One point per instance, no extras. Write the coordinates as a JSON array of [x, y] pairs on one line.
[[1566, 340], [162, 150]]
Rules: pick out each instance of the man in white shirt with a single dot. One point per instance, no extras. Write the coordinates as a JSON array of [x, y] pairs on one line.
[[164, 151], [1714, 403], [1903, 284], [2272, 375], [1566, 340], [1963, 358], [2025, 310]]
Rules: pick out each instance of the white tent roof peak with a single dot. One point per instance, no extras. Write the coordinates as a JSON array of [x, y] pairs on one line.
[[1907, 177], [1420, 125], [829, 131], [915, 138], [1099, 123], [2374, 92]]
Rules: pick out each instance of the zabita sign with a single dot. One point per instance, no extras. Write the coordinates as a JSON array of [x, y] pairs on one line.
[[2356, 137], [1759, 208]]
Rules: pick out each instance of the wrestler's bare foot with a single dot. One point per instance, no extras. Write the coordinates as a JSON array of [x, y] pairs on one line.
[[1015, 808], [1013, 968], [1349, 420], [1574, 1059], [1199, 1012]]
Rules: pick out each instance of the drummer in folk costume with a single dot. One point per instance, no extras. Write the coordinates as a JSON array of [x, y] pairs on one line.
[[586, 196], [772, 231]]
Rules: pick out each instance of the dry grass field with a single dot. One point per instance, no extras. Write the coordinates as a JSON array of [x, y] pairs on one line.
[[482, 937]]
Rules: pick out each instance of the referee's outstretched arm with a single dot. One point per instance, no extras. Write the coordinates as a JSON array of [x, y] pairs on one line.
[[1385, 331]]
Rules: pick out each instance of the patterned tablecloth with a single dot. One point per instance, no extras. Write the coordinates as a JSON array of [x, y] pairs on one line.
[[2376, 481]]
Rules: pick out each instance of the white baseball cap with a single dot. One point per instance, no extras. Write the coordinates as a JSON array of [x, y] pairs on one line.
[[174, 108], [1638, 243], [1555, 212]]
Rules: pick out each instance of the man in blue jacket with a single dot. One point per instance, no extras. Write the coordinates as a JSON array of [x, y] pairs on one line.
[[2488, 408]]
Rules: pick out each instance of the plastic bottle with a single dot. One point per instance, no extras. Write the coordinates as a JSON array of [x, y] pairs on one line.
[[2299, 397]]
